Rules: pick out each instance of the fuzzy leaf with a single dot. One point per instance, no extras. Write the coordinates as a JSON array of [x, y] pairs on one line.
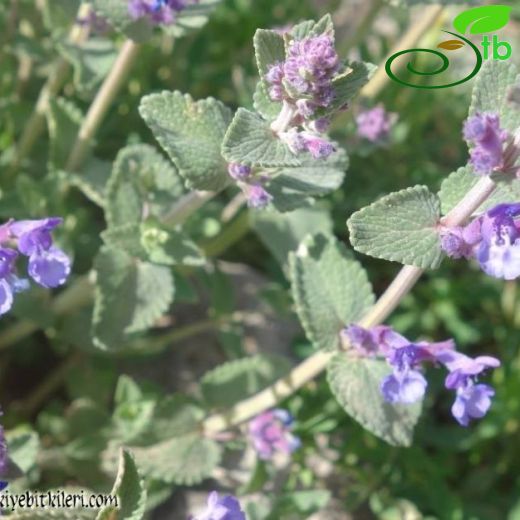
[[263, 104], [311, 28], [330, 289], [194, 16], [191, 132], [282, 233], [23, 449], [231, 382], [184, 460], [250, 140], [400, 227], [64, 120], [130, 296], [347, 85], [492, 88], [355, 382], [484, 19], [92, 180], [130, 490], [458, 183]]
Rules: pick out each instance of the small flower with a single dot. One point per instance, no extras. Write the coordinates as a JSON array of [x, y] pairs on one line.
[[157, 11], [458, 242], [472, 402], [225, 508], [48, 265], [488, 138], [406, 387], [270, 433], [95, 22], [299, 142], [375, 124], [257, 197], [239, 172]]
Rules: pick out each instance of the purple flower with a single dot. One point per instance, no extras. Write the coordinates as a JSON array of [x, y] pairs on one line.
[[472, 402], [299, 142], [95, 22], [270, 433], [239, 172], [375, 124], [225, 508], [157, 11], [257, 197], [48, 265], [408, 386], [488, 138]]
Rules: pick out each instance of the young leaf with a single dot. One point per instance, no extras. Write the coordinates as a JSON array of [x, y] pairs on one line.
[[250, 140], [130, 296], [311, 28], [269, 49], [23, 449], [130, 490], [458, 183], [231, 382], [191, 132], [263, 104], [330, 289], [400, 227], [492, 88], [194, 16], [483, 19], [347, 85], [356, 382]]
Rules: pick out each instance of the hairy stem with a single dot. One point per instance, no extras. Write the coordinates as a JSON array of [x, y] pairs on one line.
[[316, 364], [102, 102], [284, 118]]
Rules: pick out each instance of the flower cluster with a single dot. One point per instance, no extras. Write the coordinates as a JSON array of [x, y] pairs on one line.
[[303, 82], [270, 432], [48, 265], [256, 195], [225, 508], [407, 384], [158, 12], [493, 239], [375, 124], [494, 150]]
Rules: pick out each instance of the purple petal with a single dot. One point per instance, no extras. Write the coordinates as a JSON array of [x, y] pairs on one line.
[[406, 388], [49, 268], [6, 297]]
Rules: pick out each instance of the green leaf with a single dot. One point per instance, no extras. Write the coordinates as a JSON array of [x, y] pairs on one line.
[[347, 85], [311, 28], [60, 14], [269, 49], [92, 60], [356, 382], [194, 16], [458, 183], [400, 227], [23, 448], [292, 188], [92, 180], [282, 233], [250, 140], [175, 415], [142, 182], [185, 460], [484, 19], [492, 88], [191, 132], [64, 120], [263, 104], [231, 382], [330, 289], [130, 296], [130, 490]]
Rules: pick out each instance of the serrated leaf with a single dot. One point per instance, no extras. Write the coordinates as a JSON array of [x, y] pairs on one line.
[[330, 289], [250, 140], [191, 132], [127, 238], [142, 182], [23, 449], [292, 188], [91, 60], [282, 233], [92, 180], [130, 489], [400, 227], [174, 416], [311, 28], [457, 184], [130, 296], [484, 19], [263, 104], [355, 382], [231, 382], [347, 85], [492, 88], [64, 120], [185, 460]]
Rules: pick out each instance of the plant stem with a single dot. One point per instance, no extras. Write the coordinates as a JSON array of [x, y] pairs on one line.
[[186, 206], [102, 102], [317, 363], [233, 232], [36, 124]]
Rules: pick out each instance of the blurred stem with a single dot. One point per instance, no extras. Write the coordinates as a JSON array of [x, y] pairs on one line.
[[36, 124], [101, 104], [231, 234], [317, 363], [186, 206]]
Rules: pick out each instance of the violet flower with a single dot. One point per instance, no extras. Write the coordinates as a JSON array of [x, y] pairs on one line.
[[270, 432], [375, 124], [158, 12], [239, 172], [221, 508]]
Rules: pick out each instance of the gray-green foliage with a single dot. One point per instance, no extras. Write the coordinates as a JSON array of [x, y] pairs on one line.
[[330, 289], [400, 227], [191, 132], [356, 384]]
